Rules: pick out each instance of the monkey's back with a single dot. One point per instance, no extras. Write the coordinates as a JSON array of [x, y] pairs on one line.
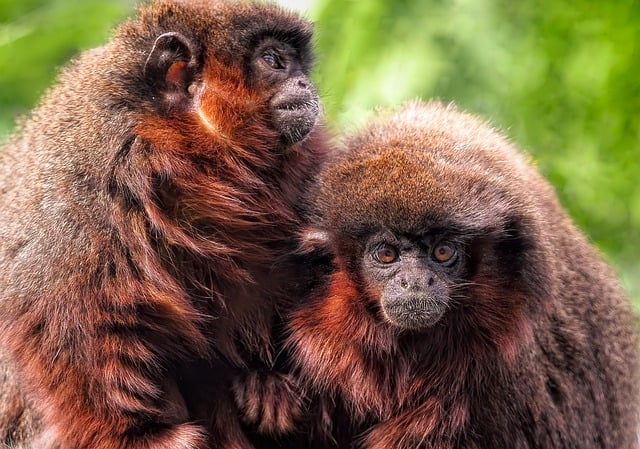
[[579, 379], [51, 209]]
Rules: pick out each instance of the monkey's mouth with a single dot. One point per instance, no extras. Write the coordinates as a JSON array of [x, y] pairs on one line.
[[295, 116], [418, 313]]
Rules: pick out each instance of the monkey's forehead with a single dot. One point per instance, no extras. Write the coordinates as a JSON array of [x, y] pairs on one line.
[[396, 192], [226, 27], [428, 165]]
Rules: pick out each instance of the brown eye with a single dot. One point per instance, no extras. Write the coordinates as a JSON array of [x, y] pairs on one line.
[[444, 253], [272, 60], [385, 253]]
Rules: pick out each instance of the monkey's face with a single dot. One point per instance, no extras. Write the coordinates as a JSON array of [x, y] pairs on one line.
[[411, 276], [293, 102]]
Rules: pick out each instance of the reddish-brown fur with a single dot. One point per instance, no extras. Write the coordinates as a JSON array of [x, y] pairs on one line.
[[144, 246], [538, 348]]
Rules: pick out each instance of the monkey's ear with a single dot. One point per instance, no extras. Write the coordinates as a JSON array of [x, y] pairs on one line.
[[171, 65], [522, 255], [314, 239]]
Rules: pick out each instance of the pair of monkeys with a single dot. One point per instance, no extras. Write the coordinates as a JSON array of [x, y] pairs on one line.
[[171, 213]]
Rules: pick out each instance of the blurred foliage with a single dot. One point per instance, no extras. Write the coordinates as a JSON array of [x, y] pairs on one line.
[[561, 78], [37, 37]]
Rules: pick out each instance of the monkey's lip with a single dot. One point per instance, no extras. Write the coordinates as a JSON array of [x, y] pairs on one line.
[[300, 103], [417, 313], [306, 107], [295, 117]]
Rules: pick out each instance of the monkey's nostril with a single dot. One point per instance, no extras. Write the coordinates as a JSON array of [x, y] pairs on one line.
[[431, 281], [302, 83], [404, 283]]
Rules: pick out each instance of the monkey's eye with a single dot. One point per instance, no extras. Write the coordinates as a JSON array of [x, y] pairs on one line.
[[444, 253], [386, 253], [272, 59]]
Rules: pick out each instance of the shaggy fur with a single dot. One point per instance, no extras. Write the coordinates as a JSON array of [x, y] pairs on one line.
[[538, 348], [146, 227], [17, 420]]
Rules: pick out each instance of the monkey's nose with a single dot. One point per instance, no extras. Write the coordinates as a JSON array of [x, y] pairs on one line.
[[415, 283]]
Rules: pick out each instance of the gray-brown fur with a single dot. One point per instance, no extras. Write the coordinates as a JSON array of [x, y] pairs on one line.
[[148, 208], [17, 417]]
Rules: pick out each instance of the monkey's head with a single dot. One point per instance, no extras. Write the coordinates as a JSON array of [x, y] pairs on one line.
[[233, 72], [434, 218]]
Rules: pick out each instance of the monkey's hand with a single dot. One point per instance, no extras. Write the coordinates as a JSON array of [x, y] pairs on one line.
[[393, 434], [412, 429], [182, 436], [270, 401]]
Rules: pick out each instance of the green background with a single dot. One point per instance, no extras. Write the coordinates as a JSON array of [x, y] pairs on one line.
[[560, 78]]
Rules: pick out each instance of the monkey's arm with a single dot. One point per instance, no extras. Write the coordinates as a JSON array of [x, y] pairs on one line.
[[271, 399], [99, 384]]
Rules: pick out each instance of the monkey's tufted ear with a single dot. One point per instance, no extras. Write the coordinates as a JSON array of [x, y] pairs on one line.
[[314, 239], [522, 255], [171, 67]]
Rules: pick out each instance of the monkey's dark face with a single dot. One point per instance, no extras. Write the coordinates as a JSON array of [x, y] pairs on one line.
[[412, 276], [294, 105]]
